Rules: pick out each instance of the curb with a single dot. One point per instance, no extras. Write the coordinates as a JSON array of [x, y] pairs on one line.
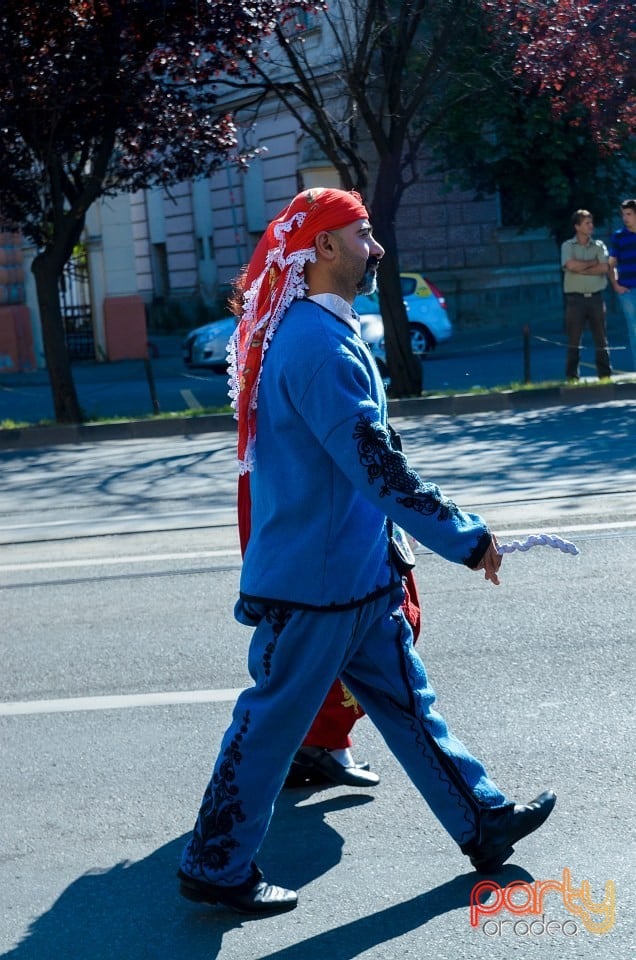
[[27, 438], [511, 400]]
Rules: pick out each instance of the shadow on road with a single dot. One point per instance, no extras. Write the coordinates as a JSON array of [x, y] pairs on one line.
[[538, 444], [133, 910], [353, 939], [121, 478], [591, 445]]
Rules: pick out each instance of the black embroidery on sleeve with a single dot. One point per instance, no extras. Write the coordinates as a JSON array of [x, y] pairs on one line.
[[390, 467]]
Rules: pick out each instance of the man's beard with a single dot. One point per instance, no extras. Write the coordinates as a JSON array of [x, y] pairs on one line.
[[369, 282]]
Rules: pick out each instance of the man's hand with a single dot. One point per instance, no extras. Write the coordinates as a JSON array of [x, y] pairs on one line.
[[490, 562]]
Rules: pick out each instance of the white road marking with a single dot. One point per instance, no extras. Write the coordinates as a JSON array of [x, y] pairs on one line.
[[111, 561], [191, 400], [578, 528], [168, 698], [235, 552], [117, 702], [117, 519]]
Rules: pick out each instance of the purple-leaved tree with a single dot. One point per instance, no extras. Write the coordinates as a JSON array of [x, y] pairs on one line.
[[104, 96]]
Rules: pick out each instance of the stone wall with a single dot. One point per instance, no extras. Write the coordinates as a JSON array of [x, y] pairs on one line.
[[490, 275]]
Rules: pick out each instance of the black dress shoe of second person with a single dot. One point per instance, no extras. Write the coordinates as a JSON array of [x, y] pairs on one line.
[[501, 828], [255, 896], [315, 765]]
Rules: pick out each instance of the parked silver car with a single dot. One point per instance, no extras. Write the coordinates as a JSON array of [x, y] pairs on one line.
[[207, 345]]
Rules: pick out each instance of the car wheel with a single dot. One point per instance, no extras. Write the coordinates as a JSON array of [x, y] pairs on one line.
[[422, 340]]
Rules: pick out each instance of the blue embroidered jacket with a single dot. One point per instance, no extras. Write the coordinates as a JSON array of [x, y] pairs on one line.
[[327, 476]]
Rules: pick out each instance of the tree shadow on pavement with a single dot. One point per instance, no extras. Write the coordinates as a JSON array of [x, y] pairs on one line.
[[509, 452], [133, 911], [506, 447]]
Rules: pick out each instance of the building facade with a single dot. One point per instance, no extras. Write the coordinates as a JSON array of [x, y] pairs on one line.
[[165, 259], [103, 312], [191, 243]]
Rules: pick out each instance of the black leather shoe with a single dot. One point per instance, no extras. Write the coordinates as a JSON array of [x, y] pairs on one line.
[[500, 829], [254, 896], [315, 765]]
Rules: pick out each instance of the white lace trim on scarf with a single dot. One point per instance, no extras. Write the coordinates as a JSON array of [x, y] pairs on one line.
[[292, 267]]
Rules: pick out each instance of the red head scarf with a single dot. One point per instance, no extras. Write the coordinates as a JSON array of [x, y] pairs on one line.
[[275, 278]]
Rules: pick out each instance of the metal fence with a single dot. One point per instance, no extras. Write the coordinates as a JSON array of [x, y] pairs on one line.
[[75, 303]]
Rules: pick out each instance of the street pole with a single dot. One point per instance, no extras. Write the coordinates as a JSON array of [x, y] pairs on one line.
[[526, 354], [151, 385]]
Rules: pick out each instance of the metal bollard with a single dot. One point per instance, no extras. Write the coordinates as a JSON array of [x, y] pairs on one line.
[[526, 354], [151, 385]]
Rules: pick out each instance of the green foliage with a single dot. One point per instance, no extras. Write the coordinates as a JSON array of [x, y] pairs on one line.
[[544, 166], [557, 132]]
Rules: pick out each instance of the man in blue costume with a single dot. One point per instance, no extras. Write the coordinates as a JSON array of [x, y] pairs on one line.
[[321, 582]]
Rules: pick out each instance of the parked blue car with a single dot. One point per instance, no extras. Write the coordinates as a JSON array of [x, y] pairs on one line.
[[426, 311]]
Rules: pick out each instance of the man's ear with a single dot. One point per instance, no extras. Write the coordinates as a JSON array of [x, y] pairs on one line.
[[325, 245]]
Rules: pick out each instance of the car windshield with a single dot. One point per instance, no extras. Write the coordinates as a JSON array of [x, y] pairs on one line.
[[408, 285]]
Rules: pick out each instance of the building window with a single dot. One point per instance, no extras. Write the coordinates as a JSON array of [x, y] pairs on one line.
[[301, 22], [160, 272], [254, 197]]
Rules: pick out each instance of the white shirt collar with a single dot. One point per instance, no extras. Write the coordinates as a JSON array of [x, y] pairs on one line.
[[342, 309]]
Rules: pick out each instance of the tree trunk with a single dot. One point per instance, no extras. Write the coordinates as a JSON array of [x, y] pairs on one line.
[[47, 275], [405, 369]]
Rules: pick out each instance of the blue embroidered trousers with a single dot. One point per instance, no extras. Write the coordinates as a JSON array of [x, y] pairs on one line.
[[294, 657]]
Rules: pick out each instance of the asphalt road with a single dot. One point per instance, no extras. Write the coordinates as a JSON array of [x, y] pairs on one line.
[[120, 662]]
